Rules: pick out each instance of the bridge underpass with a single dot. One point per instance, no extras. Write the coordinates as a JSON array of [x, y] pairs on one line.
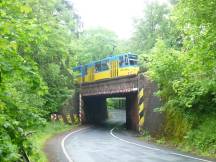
[[95, 109], [140, 102]]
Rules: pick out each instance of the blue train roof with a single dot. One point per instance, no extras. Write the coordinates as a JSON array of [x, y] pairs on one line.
[[113, 57]]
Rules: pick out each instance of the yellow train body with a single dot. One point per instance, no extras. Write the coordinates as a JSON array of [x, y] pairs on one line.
[[89, 77], [128, 71], [102, 75]]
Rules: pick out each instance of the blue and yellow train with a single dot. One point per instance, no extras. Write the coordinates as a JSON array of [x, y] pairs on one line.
[[107, 68]]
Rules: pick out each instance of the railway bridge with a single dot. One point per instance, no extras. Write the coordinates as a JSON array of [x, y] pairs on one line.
[[140, 102]]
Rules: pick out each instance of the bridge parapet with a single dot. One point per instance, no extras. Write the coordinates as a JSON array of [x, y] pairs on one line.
[[109, 87]]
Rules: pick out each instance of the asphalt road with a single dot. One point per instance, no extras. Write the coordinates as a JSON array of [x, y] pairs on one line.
[[107, 144]]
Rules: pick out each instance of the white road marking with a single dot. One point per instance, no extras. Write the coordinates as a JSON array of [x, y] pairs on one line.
[[151, 148], [63, 143], [156, 149]]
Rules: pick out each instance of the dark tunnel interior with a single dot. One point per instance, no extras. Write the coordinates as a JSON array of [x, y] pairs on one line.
[[97, 109]]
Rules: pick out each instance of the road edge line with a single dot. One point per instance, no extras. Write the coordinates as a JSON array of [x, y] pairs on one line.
[[151, 148], [156, 149], [63, 143]]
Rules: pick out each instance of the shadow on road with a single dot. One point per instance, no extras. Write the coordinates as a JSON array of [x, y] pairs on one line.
[[116, 118]]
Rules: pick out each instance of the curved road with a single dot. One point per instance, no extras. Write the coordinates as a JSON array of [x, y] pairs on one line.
[[93, 144], [106, 144]]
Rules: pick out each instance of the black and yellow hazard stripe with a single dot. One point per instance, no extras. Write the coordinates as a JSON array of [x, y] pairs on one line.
[[141, 107], [80, 108]]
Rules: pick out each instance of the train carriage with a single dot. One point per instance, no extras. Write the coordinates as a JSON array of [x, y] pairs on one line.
[[109, 67]]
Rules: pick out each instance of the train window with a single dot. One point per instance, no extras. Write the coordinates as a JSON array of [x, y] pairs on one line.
[[104, 65], [121, 61], [133, 62], [98, 67], [133, 59], [132, 56]]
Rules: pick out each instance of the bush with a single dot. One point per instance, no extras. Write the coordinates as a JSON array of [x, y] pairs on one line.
[[42, 134], [203, 138]]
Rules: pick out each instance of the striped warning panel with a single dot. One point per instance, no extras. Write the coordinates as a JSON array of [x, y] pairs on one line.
[[80, 108], [141, 107]]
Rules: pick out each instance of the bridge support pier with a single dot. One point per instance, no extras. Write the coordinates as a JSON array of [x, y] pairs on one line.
[[132, 119]]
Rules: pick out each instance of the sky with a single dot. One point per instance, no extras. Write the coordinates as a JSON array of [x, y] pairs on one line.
[[115, 15]]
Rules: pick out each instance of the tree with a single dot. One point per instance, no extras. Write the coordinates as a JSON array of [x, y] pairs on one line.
[[186, 77], [96, 44], [155, 23], [35, 60]]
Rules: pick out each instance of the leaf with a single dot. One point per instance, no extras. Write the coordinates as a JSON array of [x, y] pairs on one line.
[[25, 9], [13, 45]]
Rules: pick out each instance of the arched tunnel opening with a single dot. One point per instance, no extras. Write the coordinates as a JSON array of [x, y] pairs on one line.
[[119, 108]]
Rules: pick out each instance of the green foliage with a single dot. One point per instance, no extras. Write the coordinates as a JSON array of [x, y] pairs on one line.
[[186, 76], [98, 43], [42, 134], [203, 137], [176, 126], [115, 103], [35, 58], [161, 141], [155, 23]]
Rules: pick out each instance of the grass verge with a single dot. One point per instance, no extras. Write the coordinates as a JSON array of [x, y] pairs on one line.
[[183, 146], [42, 135]]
